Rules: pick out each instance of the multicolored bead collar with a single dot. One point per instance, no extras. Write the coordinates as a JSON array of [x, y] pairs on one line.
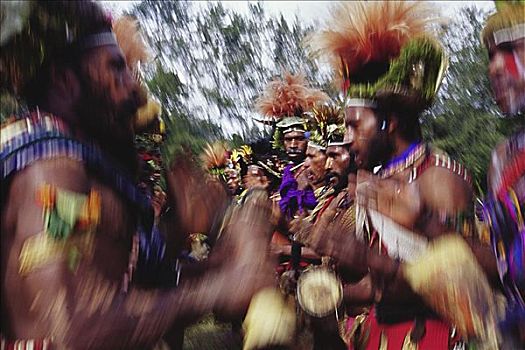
[[406, 160]]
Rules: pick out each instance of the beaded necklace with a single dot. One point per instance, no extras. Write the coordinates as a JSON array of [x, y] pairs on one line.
[[442, 161], [406, 160]]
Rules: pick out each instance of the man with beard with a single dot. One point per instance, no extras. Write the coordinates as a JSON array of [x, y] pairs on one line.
[[504, 38], [283, 105], [319, 120], [327, 131], [314, 165], [70, 209], [418, 195], [294, 139]]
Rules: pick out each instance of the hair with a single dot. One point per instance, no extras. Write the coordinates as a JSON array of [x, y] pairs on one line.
[[89, 18], [408, 119]]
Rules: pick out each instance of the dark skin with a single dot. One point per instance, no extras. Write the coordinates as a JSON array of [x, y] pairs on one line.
[[337, 164], [508, 88], [314, 166], [86, 308], [255, 177], [295, 146], [407, 204], [233, 181]]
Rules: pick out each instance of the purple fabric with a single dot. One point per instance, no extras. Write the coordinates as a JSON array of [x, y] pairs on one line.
[[292, 199]]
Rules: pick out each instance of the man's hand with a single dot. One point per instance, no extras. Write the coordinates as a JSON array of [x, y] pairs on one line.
[[195, 198], [329, 237], [399, 201], [248, 267]]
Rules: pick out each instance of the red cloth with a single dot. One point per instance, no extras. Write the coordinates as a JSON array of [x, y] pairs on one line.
[[44, 344], [437, 334]]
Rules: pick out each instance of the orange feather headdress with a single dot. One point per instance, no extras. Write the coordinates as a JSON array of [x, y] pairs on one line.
[[215, 158], [287, 97], [136, 51], [131, 41], [375, 45]]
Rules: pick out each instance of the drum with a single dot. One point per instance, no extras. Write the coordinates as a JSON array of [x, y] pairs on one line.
[[319, 291]]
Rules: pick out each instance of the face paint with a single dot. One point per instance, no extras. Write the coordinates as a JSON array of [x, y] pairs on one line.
[[507, 76]]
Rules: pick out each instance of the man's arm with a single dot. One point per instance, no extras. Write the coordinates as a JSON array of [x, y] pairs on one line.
[[441, 191], [195, 200], [454, 195], [86, 308]]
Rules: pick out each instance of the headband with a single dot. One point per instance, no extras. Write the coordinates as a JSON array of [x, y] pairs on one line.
[[361, 102], [97, 40], [506, 35], [294, 129]]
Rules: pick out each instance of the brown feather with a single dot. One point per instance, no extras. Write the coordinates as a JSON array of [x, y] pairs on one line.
[[359, 32], [288, 96], [214, 156], [130, 41]]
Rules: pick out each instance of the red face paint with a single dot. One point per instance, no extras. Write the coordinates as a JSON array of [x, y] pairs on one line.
[[510, 64], [346, 85]]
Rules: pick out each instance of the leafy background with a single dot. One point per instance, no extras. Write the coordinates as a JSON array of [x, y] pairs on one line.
[[211, 63]]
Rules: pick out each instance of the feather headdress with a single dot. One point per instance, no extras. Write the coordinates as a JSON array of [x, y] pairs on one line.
[[367, 43], [326, 125], [287, 97], [506, 25], [136, 51], [215, 158], [131, 41]]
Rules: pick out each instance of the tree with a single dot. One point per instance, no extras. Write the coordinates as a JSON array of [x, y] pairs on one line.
[[224, 58], [220, 60]]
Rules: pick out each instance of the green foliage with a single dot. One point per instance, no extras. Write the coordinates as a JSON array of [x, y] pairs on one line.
[[421, 53], [421, 50], [188, 135], [168, 88], [211, 64], [277, 141], [222, 58]]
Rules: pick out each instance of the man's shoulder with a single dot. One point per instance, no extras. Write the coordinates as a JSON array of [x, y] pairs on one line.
[[439, 167], [442, 187], [61, 172]]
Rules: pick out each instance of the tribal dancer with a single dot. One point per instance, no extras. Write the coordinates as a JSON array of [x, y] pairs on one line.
[[336, 196], [504, 38], [283, 105], [391, 69], [70, 206]]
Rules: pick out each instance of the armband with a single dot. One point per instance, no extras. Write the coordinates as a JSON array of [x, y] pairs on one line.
[[70, 222]]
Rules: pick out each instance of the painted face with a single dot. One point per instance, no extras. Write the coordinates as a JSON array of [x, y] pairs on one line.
[[338, 162], [232, 181], [295, 145], [314, 165], [110, 97], [363, 134], [255, 177], [507, 75]]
